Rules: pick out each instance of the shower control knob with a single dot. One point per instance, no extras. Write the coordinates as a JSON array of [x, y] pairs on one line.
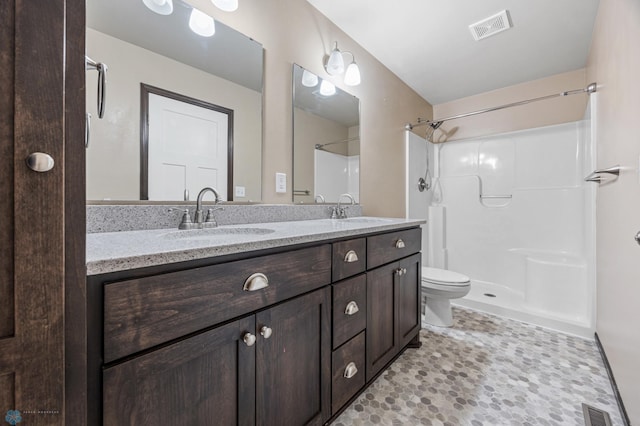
[[637, 237]]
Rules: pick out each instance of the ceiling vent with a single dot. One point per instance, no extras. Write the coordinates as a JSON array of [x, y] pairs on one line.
[[491, 26]]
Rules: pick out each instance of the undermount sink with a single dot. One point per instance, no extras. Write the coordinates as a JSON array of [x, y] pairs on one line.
[[212, 233]]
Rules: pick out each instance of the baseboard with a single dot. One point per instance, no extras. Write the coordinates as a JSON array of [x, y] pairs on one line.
[[614, 386]]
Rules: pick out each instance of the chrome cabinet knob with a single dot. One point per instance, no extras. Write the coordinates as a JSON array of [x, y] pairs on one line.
[[399, 243], [351, 257], [40, 162], [401, 271], [637, 237], [351, 370], [255, 282], [266, 331], [352, 308], [249, 339]]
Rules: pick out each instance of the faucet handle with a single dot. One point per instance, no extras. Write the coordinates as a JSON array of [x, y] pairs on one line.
[[210, 221], [186, 222], [334, 212]]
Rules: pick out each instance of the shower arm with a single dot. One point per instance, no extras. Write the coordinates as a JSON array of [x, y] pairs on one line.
[[591, 88]]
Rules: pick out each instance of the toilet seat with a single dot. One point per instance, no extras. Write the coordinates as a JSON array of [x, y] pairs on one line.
[[444, 277]]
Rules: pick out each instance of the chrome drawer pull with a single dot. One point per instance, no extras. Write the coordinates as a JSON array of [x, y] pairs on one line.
[[351, 257], [249, 339], [266, 331], [351, 370], [352, 308], [399, 243], [255, 282]]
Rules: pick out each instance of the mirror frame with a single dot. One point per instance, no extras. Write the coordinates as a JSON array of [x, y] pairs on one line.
[[145, 91]]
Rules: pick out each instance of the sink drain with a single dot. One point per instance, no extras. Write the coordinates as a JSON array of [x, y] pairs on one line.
[[489, 295]]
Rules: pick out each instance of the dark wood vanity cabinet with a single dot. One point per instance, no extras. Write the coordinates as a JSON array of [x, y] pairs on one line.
[[193, 347], [393, 310]]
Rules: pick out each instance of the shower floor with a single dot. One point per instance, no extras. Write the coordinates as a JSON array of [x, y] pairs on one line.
[[491, 371], [505, 302]]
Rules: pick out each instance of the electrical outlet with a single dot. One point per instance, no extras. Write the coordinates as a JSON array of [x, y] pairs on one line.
[[239, 191], [281, 183]]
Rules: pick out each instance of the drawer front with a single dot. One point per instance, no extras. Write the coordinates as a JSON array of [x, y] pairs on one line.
[[343, 361], [144, 312], [385, 248], [349, 309], [349, 258]]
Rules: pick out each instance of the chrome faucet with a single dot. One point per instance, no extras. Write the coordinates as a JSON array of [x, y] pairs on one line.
[[339, 212], [199, 221]]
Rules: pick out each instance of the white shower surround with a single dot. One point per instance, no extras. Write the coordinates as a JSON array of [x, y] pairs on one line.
[[535, 250]]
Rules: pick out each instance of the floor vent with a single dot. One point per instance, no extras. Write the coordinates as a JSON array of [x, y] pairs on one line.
[[595, 417], [490, 26]]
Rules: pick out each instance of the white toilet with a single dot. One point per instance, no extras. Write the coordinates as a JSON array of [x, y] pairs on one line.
[[439, 286]]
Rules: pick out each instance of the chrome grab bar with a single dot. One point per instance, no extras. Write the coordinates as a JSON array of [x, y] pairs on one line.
[[496, 196]]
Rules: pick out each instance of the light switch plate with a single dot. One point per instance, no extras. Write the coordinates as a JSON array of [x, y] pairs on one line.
[[281, 183], [239, 191]]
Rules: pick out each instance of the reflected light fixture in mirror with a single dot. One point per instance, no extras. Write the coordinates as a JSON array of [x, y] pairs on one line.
[[309, 79], [201, 23], [335, 66], [226, 5], [327, 88], [161, 7]]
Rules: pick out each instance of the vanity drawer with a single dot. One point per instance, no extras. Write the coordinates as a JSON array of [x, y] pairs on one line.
[[392, 246], [144, 312], [345, 362], [349, 295], [349, 258]]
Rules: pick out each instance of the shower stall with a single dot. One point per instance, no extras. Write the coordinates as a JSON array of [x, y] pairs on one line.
[[512, 211]]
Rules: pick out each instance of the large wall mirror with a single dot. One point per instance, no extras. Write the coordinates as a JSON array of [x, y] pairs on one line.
[[326, 140], [183, 111]]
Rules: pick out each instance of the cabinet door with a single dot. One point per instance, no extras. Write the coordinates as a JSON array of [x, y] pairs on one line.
[[408, 301], [206, 379], [382, 337], [293, 365]]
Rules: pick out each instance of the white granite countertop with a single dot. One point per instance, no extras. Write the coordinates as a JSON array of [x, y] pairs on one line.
[[119, 251]]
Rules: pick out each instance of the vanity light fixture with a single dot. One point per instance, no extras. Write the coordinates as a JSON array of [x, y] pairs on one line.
[[335, 66], [226, 5], [309, 79], [161, 7], [327, 88], [201, 23]]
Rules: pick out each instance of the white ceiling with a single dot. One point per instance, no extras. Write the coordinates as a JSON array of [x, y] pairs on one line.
[[427, 43]]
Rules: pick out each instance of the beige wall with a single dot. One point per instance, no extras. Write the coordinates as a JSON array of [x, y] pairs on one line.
[[113, 157], [293, 31], [614, 62], [535, 114]]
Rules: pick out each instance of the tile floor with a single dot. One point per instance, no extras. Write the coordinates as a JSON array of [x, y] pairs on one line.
[[488, 371]]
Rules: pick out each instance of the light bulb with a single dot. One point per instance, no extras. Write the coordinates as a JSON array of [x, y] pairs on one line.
[[201, 23], [335, 64], [161, 7], [309, 79], [352, 76], [327, 88], [226, 5]]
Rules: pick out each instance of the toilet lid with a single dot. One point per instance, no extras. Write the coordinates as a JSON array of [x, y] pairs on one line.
[[442, 276]]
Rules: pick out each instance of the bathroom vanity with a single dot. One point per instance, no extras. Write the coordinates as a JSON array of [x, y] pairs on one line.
[[248, 327]]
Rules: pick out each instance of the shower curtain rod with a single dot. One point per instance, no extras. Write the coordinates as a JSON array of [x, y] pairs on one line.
[[321, 145], [591, 88]]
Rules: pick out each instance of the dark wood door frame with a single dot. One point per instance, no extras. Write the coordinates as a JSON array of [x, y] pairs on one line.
[[145, 90], [42, 215]]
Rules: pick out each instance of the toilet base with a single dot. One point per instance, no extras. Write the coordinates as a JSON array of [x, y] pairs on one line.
[[437, 311]]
